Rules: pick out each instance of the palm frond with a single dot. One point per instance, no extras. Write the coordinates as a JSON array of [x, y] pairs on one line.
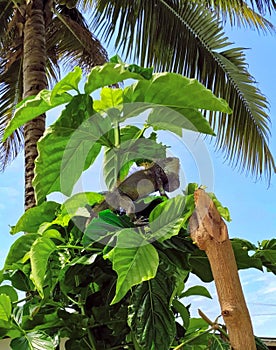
[[11, 84], [6, 11], [11, 87], [69, 36], [52, 65], [264, 5], [185, 37], [240, 14]]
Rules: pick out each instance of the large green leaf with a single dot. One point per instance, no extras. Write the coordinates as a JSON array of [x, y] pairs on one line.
[[40, 252], [150, 317], [105, 224], [19, 249], [77, 205], [10, 291], [134, 260], [196, 290], [5, 307], [216, 343], [20, 280], [34, 106], [63, 151], [182, 311], [109, 98], [243, 259], [175, 91], [267, 254], [69, 82], [164, 118], [92, 155], [33, 341], [75, 272], [110, 74], [180, 94], [167, 218], [34, 217], [200, 265]]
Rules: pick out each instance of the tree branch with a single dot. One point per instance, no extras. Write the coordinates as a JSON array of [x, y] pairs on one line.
[[209, 232]]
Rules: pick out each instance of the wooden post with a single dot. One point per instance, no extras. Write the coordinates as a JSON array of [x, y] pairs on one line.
[[209, 232]]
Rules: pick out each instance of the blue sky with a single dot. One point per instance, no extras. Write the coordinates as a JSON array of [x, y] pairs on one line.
[[252, 204]]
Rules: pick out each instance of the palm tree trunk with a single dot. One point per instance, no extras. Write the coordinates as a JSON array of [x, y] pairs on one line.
[[34, 80]]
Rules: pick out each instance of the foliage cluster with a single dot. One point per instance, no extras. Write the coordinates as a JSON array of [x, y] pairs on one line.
[[111, 282]]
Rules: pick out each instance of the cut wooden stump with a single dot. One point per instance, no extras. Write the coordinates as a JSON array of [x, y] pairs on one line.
[[209, 232]]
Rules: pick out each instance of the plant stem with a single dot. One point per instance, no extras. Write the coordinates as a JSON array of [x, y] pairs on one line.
[[117, 140], [179, 347], [79, 247], [91, 339]]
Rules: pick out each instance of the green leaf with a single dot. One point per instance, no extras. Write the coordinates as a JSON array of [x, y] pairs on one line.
[[260, 344], [269, 244], [224, 211], [267, 254], [34, 106], [117, 161], [145, 72], [100, 228], [5, 307], [77, 205], [150, 317], [110, 74], [130, 132], [167, 218], [64, 150], [19, 249], [92, 155], [197, 324], [244, 261], [20, 281], [8, 329], [191, 188], [196, 290], [179, 259], [183, 312], [164, 118], [216, 343], [176, 92], [113, 163], [109, 98], [75, 272], [200, 265], [33, 341], [34, 217], [10, 291], [134, 260], [40, 252], [69, 82]]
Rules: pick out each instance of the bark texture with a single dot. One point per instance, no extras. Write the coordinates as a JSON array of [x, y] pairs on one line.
[[209, 232], [34, 78]]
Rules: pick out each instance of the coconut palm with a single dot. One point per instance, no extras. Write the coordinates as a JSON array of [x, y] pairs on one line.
[[32, 40], [184, 36]]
